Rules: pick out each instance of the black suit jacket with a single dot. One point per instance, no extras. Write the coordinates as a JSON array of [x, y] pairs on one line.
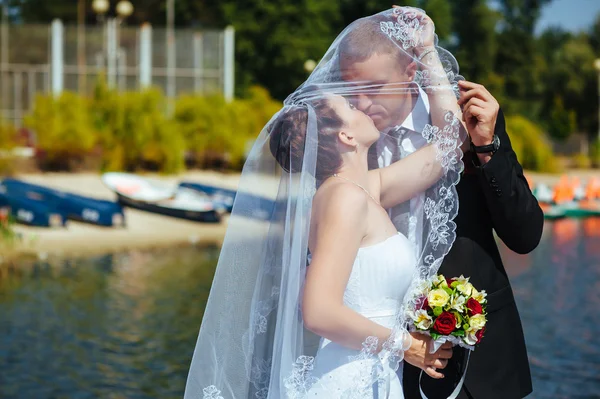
[[494, 197]]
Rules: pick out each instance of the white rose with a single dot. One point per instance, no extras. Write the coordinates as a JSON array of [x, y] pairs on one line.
[[470, 338]]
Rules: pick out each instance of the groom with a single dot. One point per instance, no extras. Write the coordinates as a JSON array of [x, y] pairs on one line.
[[493, 196]]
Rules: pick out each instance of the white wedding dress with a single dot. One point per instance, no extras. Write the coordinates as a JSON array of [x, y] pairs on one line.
[[380, 277]]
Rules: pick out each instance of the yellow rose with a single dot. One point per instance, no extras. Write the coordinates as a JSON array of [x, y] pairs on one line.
[[465, 288], [422, 320], [479, 296], [437, 298], [477, 322]]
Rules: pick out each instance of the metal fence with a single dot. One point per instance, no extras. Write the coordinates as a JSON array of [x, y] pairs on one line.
[[50, 59]]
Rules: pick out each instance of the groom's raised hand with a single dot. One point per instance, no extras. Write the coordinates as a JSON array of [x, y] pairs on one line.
[[419, 355], [480, 111]]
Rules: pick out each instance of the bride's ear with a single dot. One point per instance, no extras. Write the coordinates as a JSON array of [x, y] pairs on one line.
[[347, 138]]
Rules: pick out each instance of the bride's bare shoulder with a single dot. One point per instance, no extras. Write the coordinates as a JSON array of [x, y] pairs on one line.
[[338, 209], [339, 197]]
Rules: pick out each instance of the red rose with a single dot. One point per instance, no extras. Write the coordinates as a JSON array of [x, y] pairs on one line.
[[474, 307], [479, 334], [423, 303], [445, 323]]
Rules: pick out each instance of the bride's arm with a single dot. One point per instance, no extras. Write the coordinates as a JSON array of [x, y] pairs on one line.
[[407, 177], [404, 179], [338, 227]]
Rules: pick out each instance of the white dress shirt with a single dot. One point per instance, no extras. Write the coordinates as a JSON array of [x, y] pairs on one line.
[[397, 143]]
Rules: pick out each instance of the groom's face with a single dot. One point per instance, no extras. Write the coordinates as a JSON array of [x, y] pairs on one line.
[[378, 70]]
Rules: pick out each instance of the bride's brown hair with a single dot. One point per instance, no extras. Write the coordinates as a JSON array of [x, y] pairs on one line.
[[287, 140]]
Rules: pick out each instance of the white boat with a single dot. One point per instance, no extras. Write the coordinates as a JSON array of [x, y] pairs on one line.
[[164, 199]]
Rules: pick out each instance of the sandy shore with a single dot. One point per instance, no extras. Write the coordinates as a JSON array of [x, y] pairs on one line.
[[145, 230]]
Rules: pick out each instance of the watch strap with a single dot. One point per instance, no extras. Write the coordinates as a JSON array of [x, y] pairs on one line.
[[493, 147]]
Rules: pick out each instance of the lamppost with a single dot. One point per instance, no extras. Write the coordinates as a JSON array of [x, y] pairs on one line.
[[171, 55], [100, 7], [597, 66], [81, 70], [123, 9]]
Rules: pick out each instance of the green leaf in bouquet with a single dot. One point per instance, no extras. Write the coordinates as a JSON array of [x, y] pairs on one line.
[[458, 333], [459, 318], [454, 284], [435, 335], [438, 310], [448, 290], [466, 326]]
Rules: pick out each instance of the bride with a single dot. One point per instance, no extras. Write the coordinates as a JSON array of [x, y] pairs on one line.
[[312, 302]]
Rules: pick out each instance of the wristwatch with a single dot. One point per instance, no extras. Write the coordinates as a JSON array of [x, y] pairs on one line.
[[490, 148]]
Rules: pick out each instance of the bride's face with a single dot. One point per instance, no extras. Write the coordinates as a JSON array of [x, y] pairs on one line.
[[357, 125]]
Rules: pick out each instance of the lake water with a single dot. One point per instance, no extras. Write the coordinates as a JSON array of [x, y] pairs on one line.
[[125, 325]]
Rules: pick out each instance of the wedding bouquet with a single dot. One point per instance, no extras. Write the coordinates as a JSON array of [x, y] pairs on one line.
[[450, 310]]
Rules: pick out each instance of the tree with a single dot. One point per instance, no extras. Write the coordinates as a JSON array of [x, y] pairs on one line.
[[42, 11], [571, 73], [516, 46], [562, 121], [594, 34], [440, 11], [474, 25], [275, 38]]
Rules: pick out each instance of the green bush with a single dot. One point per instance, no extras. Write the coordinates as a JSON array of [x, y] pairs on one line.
[[212, 126], [8, 142], [581, 161], [130, 131], [64, 132], [8, 236], [595, 153], [134, 132], [530, 145]]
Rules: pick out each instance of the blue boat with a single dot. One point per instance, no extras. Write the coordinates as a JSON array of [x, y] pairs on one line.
[[76, 207], [258, 207], [31, 212]]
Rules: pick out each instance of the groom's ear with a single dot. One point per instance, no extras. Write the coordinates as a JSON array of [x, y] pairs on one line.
[[411, 71]]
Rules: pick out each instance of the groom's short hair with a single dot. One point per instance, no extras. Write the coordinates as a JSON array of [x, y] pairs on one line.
[[365, 38]]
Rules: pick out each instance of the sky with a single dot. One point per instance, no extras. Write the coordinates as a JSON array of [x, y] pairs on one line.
[[572, 15]]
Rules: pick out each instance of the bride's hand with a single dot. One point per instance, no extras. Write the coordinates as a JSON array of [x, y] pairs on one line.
[[427, 28], [418, 355]]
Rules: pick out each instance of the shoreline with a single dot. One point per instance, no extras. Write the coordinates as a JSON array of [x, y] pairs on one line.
[[143, 230]]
